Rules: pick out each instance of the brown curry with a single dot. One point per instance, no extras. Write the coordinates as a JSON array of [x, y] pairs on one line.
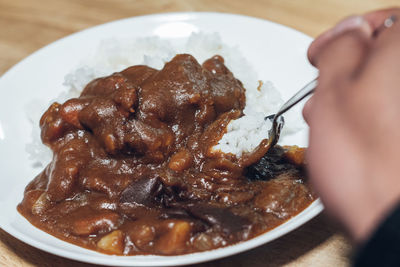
[[134, 172]]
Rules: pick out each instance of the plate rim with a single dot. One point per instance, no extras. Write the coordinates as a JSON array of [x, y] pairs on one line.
[[313, 209]]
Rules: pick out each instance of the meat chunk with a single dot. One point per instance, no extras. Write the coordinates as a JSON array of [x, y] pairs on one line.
[[283, 196]]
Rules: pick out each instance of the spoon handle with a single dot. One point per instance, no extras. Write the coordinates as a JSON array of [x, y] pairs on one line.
[[300, 95], [277, 120]]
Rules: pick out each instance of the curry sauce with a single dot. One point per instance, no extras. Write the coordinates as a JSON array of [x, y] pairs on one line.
[[134, 172]]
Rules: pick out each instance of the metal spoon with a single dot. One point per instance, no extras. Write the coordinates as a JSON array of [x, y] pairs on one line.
[[277, 119]]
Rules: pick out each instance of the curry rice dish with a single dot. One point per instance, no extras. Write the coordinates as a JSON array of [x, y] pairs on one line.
[[134, 172]]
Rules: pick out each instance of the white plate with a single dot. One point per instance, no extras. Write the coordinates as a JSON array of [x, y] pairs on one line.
[[275, 51]]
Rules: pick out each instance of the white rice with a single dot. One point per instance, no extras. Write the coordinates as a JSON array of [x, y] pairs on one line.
[[113, 55]]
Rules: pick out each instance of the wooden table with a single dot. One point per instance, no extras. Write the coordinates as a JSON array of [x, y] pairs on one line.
[[27, 25]]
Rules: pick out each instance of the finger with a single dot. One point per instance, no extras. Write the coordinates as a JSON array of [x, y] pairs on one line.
[[339, 60], [307, 110], [389, 30], [382, 69], [348, 24], [377, 18]]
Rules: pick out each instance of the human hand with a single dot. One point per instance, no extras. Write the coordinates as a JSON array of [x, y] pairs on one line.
[[354, 149]]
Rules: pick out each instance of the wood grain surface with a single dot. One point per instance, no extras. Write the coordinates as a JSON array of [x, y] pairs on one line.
[[27, 25]]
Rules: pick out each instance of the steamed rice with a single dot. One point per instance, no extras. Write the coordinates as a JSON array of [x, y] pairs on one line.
[[113, 55]]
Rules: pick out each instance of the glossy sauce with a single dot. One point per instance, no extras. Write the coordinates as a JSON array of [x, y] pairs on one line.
[[133, 171]]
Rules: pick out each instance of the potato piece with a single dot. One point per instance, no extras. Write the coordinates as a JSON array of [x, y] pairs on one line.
[[295, 154], [142, 235], [203, 242], [174, 241], [112, 243], [96, 223]]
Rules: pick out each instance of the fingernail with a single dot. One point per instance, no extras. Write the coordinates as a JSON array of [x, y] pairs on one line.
[[352, 23]]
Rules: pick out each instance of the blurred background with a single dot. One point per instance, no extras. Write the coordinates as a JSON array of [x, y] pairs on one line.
[[27, 25]]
